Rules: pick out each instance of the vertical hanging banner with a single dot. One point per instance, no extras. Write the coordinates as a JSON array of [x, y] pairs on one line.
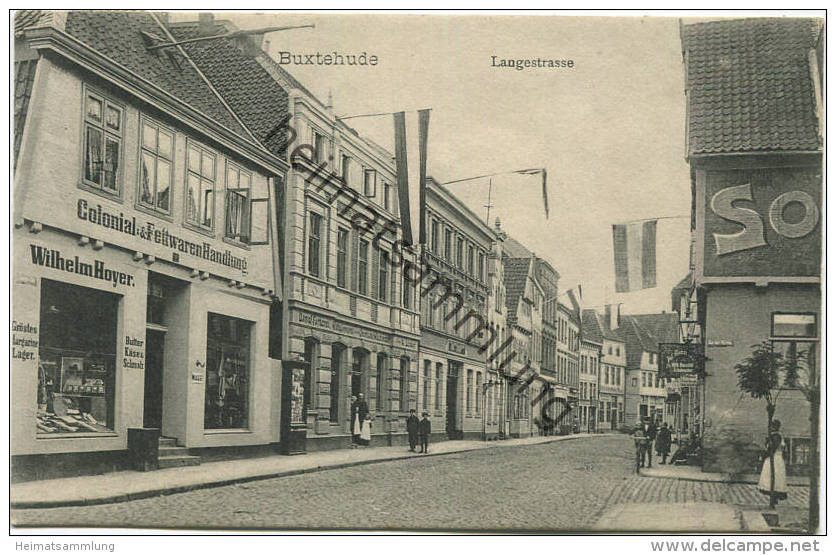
[[634, 249], [411, 185]]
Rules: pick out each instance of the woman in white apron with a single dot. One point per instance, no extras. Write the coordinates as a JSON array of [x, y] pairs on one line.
[[366, 430], [773, 480]]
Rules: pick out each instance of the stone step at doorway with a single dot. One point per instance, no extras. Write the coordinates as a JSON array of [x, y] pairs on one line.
[[172, 455]]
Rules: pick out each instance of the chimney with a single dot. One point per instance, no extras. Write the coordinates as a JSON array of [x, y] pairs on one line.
[[613, 318], [206, 24]]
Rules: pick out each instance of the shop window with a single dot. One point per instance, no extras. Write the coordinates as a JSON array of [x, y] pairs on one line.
[[155, 167], [314, 240], [342, 256], [227, 373], [200, 186], [77, 359], [103, 132]]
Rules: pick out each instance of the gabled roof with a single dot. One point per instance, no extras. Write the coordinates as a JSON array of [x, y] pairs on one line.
[[644, 332], [596, 327], [591, 326], [571, 312], [117, 35], [515, 272], [514, 249], [246, 86], [663, 326], [749, 85]]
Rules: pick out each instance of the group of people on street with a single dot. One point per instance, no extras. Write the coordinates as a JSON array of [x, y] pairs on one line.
[[644, 436], [418, 430], [361, 426]]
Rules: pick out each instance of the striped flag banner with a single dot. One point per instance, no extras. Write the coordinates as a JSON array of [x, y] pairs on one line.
[[634, 247], [411, 142]]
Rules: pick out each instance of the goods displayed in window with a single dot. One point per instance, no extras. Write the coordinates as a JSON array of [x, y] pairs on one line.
[[227, 373], [77, 362]]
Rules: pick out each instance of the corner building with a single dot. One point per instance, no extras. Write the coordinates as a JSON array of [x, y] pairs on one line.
[[754, 144], [144, 251]]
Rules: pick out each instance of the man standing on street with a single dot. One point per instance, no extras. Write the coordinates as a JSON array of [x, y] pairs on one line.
[[650, 430], [412, 424], [663, 442], [424, 429]]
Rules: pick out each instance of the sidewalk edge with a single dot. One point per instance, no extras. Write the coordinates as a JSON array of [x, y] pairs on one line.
[[133, 496]]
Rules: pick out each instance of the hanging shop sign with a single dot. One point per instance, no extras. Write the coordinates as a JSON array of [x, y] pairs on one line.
[[677, 359]]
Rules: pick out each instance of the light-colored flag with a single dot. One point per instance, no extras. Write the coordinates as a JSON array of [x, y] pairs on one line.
[[411, 142], [634, 248]]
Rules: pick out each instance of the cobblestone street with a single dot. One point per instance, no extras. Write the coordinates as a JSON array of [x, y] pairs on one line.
[[557, 486]]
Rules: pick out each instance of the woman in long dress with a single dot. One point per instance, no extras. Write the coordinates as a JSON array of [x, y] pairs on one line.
[[366, 430], [773, 480]]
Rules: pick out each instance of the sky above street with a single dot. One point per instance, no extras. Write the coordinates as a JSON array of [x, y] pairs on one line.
[[610, 130]]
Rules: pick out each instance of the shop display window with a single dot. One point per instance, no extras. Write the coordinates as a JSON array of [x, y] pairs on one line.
[[77, 359], [227, 373]]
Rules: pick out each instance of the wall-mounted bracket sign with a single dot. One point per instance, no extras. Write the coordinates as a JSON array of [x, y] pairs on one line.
[[677, 359]]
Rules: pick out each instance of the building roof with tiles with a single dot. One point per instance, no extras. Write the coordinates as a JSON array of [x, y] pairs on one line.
[[750, 85]]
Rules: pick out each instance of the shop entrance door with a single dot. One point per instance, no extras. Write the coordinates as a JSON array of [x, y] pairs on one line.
[[452, 398], [152, 416]]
